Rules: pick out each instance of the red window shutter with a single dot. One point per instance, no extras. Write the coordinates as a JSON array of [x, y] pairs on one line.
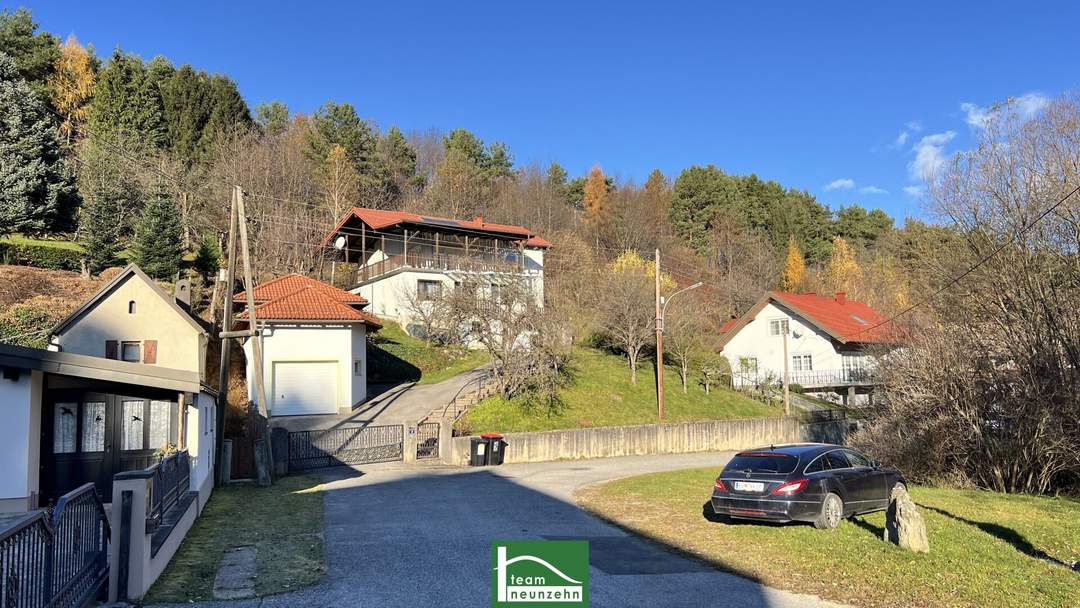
[[149, 351], [110, 349]]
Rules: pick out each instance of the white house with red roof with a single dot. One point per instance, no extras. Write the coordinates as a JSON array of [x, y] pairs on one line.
[[830, 342], [314, 339], [404, 258]]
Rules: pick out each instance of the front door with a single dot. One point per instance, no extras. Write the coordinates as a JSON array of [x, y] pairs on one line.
[[91, 436]]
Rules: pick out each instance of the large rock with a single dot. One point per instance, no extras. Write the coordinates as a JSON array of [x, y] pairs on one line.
[[904, 525]]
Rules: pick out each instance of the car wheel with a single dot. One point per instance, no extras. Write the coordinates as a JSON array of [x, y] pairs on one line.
[[832, 511]]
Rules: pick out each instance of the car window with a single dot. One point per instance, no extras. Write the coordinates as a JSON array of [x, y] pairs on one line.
[[817, 466], [856, 459], [762, 462], [837, 460]]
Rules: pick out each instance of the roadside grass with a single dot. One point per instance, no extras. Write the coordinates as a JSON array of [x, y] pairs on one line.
[[396, 356], [600, 394], [983, 545], [285, 524]]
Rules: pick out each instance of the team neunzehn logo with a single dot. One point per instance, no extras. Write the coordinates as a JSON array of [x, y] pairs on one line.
[[548, 573]]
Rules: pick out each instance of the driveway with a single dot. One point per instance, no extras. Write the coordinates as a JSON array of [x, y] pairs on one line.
[[415, 536]]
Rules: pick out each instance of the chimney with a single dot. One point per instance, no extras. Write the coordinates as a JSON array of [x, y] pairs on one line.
[[182, 293], [479, 220], [841, 297]]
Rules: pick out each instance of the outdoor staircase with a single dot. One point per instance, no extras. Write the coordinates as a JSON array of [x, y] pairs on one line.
[[475, 391]]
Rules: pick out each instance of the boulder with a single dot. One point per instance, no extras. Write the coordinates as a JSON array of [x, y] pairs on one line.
[[904, 525]]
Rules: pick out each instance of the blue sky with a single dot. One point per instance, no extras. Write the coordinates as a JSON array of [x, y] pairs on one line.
[[857, 95]]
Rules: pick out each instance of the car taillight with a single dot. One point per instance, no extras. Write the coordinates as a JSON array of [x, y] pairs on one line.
[[719, 486], [792, 487]]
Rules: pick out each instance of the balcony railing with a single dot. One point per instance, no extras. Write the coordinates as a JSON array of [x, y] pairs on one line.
[[442, 261], [810, 378]]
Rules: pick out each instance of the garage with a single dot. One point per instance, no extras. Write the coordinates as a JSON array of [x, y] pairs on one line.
[[304, 387]]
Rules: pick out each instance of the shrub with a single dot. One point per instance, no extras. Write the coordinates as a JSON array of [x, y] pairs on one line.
[[41, 255]]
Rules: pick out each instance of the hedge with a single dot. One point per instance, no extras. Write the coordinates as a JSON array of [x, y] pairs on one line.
[[40, 255]]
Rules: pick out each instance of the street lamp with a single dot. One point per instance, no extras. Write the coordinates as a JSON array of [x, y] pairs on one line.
[[661, 312]]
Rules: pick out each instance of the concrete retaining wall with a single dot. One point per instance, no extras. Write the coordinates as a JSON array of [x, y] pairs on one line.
[[676, 438]]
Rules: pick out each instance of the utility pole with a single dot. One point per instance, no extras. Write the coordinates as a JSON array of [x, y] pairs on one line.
[[264, 464], [226, 325], [659, 343], [787, 366]]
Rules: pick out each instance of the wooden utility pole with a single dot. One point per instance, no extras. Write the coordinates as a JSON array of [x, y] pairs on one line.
[[659, 344], [787, 366], [226, 325], [263, 461]]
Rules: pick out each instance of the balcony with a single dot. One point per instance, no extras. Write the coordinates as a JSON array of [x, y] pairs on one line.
[[423, 260], [810, 379]]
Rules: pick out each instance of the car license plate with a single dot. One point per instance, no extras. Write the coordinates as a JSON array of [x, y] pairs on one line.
[[749, 486]]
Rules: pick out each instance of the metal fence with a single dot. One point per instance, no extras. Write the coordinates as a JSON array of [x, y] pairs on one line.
[[427, 440], [56, 558], [345, 445], [171, 480]]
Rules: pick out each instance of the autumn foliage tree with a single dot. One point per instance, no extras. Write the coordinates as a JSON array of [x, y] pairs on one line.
[[597, 199], [842, 271], [71, 87], [794, 267]]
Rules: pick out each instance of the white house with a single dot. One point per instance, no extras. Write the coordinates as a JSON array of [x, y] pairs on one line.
[[121, 380], [405, 258], [827, 341], [314, 343]]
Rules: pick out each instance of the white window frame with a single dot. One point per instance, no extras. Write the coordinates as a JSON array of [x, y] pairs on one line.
[[425, 294], [775, 326], [798, 360], [138, 350]]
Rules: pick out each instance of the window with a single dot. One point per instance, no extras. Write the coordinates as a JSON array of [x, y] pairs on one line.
[[93, 426], [856, 459], [817, 466], [778, 327], [131, 425], [802, 363], [358, 367], [160, 421], [748, 365], [428, 290], [131, 351], [131, 307], [64, 425], [836, 460]]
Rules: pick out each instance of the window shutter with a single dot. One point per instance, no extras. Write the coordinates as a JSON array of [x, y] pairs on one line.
[[111, 347], [149, 353]]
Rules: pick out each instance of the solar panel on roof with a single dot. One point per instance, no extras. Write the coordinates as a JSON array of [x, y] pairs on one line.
[[441, 222], [860, 320]]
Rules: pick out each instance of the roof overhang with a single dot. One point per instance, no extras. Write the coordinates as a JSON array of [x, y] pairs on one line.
[[97, 368]]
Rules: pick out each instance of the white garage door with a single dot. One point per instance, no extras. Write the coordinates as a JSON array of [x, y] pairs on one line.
[[304, 387]]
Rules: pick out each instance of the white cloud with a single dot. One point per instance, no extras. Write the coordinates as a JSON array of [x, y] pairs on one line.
[[1026, 106], [914, 125], [843, 183], [872, 190], [901, 139], [914, 191], [929, 155]]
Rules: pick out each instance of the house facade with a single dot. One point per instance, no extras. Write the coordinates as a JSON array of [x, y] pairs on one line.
[[830, 344], [314, 345], [404, 259], [121, 382]]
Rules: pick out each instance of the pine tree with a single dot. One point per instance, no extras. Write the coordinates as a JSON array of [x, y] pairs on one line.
[[36, 188], [72, 87], [398, 158], [842, 272], [127, 103], [157, 237], [34, 53], [794, 267], [99, 231], [272, 118], [596, 199]]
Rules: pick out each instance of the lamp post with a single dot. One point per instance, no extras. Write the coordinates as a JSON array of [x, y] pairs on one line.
[[661, 311]]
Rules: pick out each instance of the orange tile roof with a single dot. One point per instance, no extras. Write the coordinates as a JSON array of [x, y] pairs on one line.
[[291, 283], [845, 320], [378, 219], [309, 304]]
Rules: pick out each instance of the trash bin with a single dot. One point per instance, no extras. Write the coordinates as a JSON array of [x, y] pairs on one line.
[[496, 448], [478, 451]]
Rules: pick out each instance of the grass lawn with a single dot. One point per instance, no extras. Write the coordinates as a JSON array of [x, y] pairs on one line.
[[285, 524], [397, 356], [18, 239], [981, 545], [600, 394]]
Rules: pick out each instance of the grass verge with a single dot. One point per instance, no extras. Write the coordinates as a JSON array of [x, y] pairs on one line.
[[601, 394], [983, 545], [285, 524]]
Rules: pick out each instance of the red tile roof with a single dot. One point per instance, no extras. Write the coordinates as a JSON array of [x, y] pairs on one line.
[[309, 303], [291, 283], [845, 320], [378, 219]]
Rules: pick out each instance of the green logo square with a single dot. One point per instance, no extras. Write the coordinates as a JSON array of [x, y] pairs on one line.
[[542, 573]]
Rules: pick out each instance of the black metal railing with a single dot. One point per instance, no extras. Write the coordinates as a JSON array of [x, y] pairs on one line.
[[473, 262], [427, 440], [466, 396], [58, 557], [170, 481], [345, 445]]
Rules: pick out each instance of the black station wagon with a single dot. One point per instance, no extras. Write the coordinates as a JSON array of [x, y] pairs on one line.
[[810, 482]]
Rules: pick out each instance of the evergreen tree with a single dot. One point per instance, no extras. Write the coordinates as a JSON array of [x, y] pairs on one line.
[[700, 196], [127, 102], [208, 257], [272, 118], [36, 188], [99, 232], [794, 267], [72, 87], [157, 237], [228, 112], [399, 160], [500, 163], [34, 53]]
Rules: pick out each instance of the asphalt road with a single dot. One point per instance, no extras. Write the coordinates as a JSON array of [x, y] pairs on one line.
[[409, 536]]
